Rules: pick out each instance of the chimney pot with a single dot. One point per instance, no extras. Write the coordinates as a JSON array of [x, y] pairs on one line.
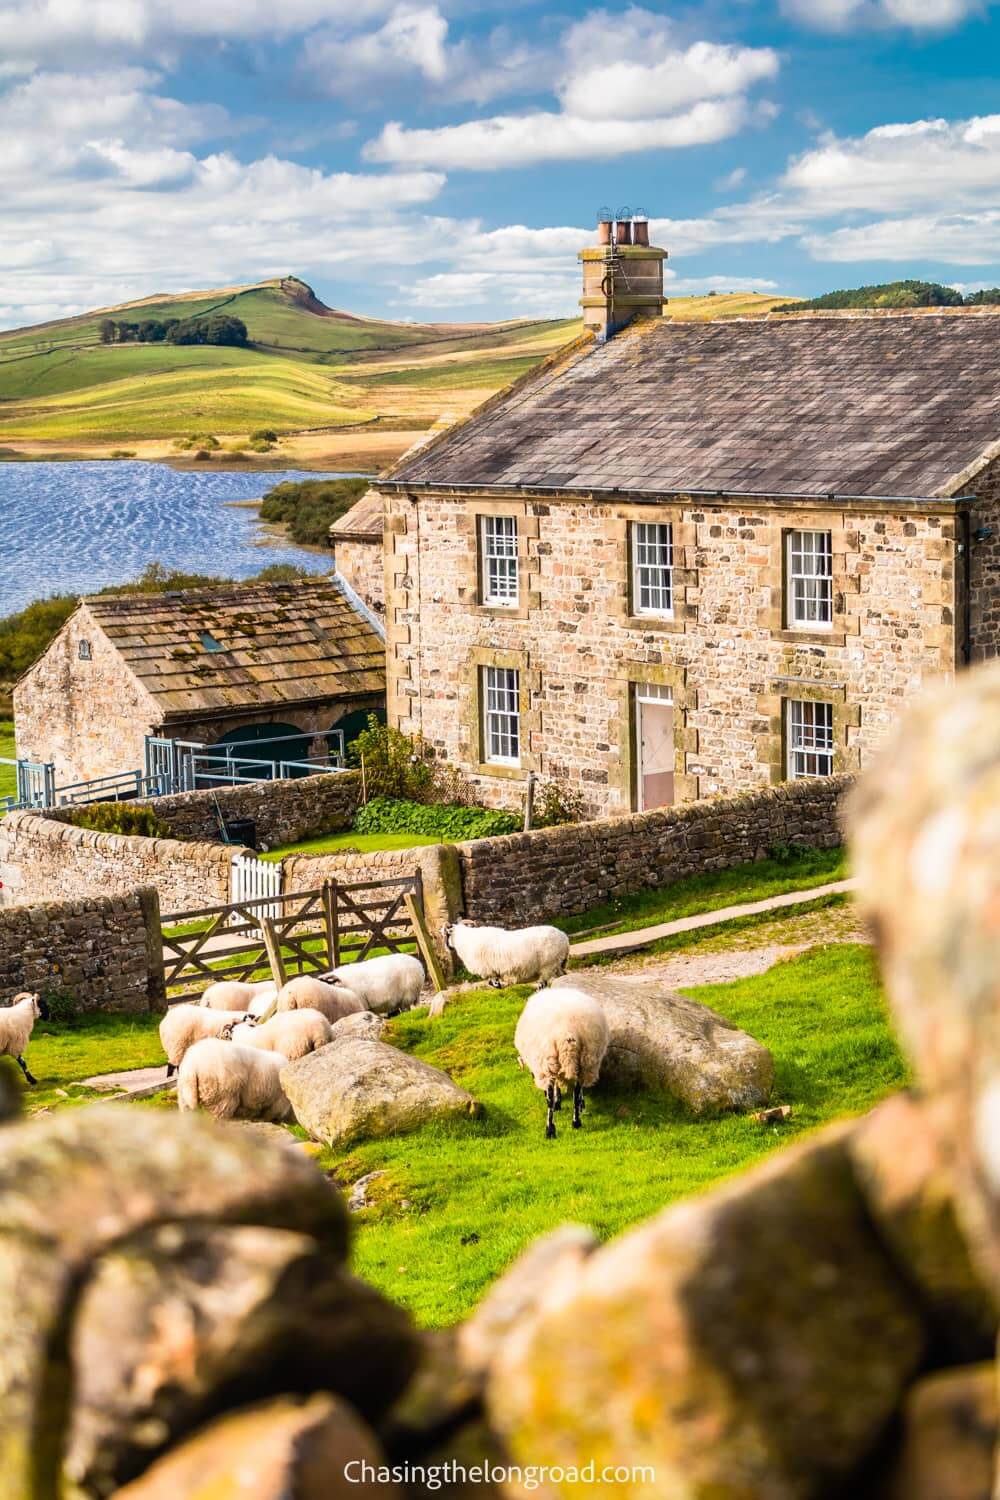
[[604, 232], [623, 232], [640, 231]]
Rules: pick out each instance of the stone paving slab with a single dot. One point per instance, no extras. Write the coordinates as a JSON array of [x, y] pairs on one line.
[[134, 1083], [626, 942]]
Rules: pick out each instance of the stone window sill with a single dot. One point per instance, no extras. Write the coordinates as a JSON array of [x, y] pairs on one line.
[[803, 637]]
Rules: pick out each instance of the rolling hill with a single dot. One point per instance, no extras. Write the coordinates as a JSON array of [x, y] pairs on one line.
[[340, 391]]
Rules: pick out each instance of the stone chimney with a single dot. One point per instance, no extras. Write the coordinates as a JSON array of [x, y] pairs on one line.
[[622, 274]]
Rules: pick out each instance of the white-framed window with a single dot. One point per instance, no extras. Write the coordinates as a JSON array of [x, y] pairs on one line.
[[84, 652], [652, 568], [498, 553], [809, 730], [501, 710], [809, 572]]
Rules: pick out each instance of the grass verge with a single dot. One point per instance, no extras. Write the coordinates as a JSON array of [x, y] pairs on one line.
[[8, 774]]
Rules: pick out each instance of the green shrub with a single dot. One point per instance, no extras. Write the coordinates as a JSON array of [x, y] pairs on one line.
[[393, 764], [260, 445], [436, 820], [122, 453], [555, 803], [310, 507], [62, 1006], [203, 455], [264, 435], [121, 817]]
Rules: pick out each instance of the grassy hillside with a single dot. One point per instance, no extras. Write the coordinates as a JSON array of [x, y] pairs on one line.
[[341, 391]]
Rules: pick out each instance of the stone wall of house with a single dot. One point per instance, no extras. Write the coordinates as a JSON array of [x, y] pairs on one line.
[[103, 952], [984, 611], [87, 716], [726, 655], [361, 563], [284, 811], [44, 859], [563, 871]]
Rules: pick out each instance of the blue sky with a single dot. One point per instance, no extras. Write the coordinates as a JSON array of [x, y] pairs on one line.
[[435, 159]]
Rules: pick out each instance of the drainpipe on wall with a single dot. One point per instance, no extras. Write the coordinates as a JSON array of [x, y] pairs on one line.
[[965, 551]]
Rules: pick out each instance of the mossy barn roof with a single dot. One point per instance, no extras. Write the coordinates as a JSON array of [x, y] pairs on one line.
[[250, 646]]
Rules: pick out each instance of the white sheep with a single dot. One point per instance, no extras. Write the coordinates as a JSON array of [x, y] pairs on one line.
[[515, 956], [17, 1021], [183, 1025], [230, 1081], [333, 1000], [234, 994], [293, 1033], [561, 1037], [392, 982]]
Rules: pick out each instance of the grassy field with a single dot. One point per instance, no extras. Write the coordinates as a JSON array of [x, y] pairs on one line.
[[8, 775], [458, 1202], [314, 374]]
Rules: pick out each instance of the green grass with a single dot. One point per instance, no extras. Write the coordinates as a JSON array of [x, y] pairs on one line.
[[366, 843], [701, 893], [458, 1202], [8, 774], [479, 1192], [62, 1053]]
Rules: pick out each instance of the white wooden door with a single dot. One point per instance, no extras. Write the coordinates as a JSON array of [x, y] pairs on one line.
[[654, 741]]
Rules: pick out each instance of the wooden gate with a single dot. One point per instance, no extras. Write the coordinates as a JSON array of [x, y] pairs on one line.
[[281, 935], [251, 879]]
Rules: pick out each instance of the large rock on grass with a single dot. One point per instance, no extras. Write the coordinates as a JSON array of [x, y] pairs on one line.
[[156, 1268], [753, 1342], [359, 1088], [284, 1450], [661, 1040]]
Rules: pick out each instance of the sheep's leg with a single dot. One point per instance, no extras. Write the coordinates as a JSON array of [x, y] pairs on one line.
[[558, 1097], [24, 1069], [550, 1124], [577, 1106], [171, 1069]]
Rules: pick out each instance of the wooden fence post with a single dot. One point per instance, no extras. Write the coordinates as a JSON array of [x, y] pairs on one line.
[[273, 949], [332, 920], [424, 943]]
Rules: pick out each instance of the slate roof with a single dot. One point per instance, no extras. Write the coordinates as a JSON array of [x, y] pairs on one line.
[[802, 405], [250, 646], [363, 522]]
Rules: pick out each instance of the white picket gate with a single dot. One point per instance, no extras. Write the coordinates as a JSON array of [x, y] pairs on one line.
[[253, 879]]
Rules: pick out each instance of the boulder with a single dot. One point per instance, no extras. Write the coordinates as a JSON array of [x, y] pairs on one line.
[[755, 1341], [911, 1197], [360, 1088], [362, 1023], [283, 1450], [512, 1299], [950, 1429], [155, 1267], [926, 851], [660, 1040]]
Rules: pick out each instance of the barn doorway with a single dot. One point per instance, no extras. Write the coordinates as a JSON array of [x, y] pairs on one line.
[[654, 746], [250, 744]]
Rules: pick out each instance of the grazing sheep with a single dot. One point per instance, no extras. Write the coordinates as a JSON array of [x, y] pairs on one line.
[[514, 956], [293, 1033], [17, 1021], [334, 1001], [183, 1025], [392, 982], [230, 1081], [234, 994], [562, 1036]]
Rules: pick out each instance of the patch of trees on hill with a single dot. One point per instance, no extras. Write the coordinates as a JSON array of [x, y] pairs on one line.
[[895, 294], [217, 328]]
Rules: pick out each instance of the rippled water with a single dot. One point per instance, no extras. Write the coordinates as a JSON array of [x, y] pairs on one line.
[[71, 528]]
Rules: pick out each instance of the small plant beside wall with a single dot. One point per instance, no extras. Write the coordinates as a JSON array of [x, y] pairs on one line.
[[555, 804], [438, 820], [121, 817], [392, 764]]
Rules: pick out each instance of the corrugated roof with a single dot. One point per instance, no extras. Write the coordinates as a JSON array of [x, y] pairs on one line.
[[248, 646], [363, 522], [818, 405]]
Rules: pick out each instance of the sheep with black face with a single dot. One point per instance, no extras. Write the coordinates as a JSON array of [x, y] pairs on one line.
[[17, 1021]]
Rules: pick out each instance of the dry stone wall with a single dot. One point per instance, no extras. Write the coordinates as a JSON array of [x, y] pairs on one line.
[[561, 872], [42, 859], [284, 811], [103, 952]]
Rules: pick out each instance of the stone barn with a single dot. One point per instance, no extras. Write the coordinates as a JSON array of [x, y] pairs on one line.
[[679, 559], [248, 664], [356, 540]]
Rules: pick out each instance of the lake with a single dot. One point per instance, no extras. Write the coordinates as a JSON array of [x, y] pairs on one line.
[[72, 528]]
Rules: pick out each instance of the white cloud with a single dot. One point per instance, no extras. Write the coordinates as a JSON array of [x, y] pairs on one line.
[[920, 15], [731, 180], [523, 140], [955, 239]]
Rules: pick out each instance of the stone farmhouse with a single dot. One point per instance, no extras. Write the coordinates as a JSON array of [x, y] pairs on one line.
[[680, 559], [247, 664], [356, 540]]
